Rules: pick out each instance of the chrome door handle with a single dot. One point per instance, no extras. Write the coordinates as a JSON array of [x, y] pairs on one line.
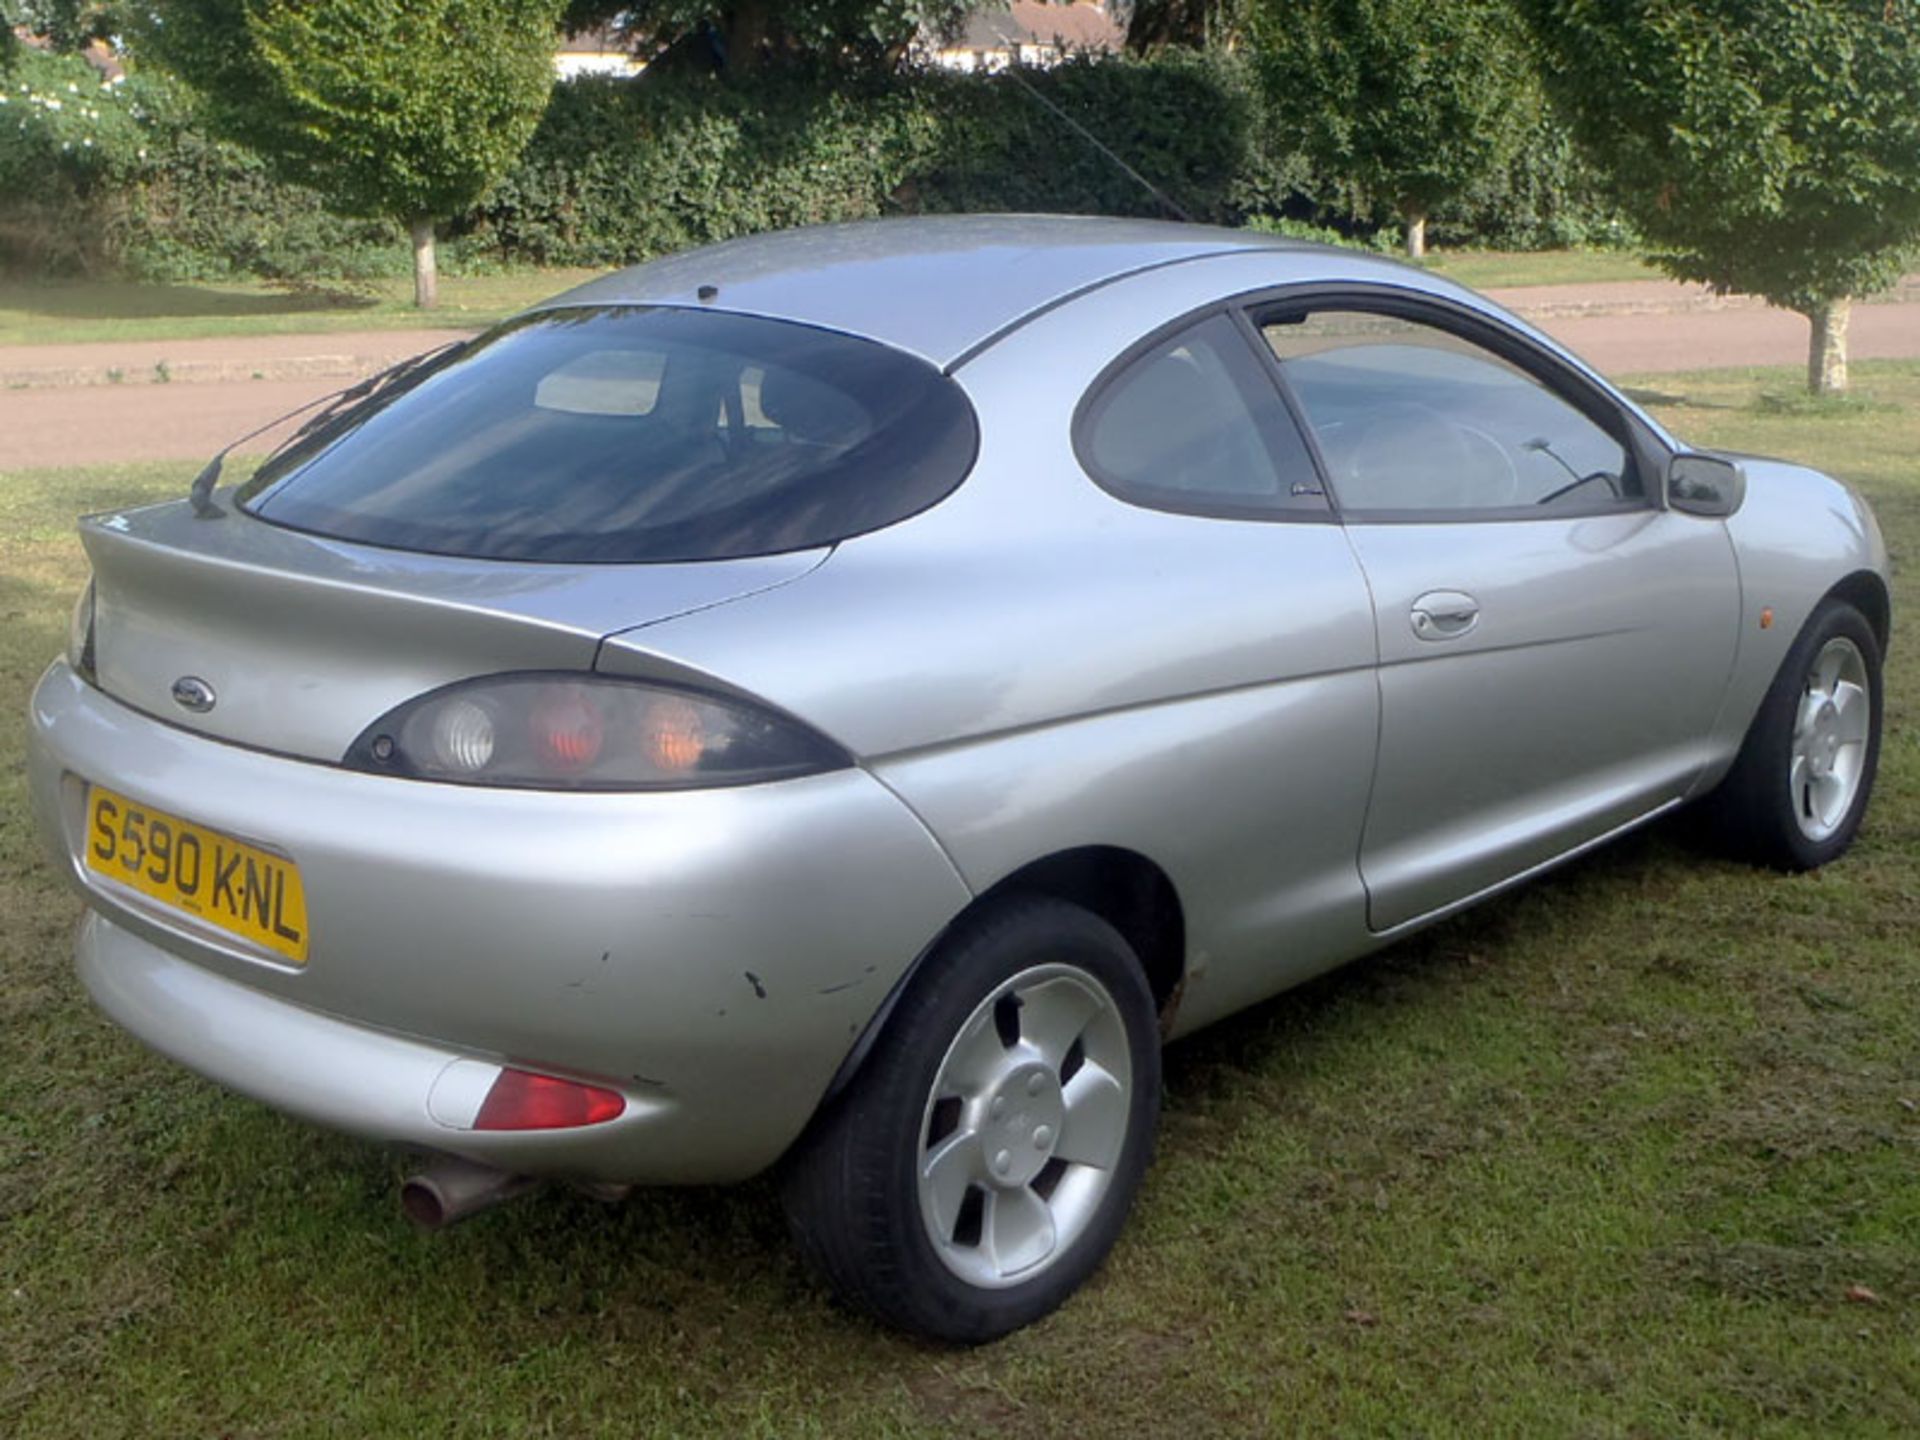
[[1444, 615]]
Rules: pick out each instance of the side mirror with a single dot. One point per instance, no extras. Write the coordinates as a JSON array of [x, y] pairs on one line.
[[1705, 485]]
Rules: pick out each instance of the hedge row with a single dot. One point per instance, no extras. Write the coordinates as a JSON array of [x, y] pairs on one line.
[[100, 178], [620, 170]]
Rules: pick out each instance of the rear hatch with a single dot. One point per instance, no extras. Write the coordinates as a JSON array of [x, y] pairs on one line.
[[576, 472], [303, 641]]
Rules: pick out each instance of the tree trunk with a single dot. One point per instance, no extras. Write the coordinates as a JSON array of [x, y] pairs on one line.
[[1196, 24], [426, 280], [747, 31], [1416, 233], [1827, 355]]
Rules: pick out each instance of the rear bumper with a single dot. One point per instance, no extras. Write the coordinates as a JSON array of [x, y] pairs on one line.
[[341, 1075], [710, 954]]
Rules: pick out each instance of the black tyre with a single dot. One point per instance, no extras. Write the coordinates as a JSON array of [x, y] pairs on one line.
[[982, 1163], [1796, 794]]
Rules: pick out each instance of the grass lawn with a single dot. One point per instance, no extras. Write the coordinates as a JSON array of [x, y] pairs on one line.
[[58, 312], [1495, 269], [1605, 1157]]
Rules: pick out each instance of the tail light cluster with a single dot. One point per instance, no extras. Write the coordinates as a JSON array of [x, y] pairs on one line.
[[587, 732]]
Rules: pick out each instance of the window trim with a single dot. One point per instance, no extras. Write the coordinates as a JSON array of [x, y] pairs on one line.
[[1564, 380], [1320, 513]]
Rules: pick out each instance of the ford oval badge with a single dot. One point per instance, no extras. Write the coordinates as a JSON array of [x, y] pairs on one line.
[[190, 692]]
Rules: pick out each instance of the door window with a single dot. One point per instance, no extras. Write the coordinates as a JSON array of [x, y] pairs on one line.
[[1410, 418]]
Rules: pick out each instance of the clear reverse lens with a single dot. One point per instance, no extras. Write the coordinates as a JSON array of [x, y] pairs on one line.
[[462, 737], [572, 732]]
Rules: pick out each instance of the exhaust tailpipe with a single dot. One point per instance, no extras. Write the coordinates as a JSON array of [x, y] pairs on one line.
[[451, 1189]]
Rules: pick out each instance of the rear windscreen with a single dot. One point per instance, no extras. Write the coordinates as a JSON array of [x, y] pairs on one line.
[[629, 433]]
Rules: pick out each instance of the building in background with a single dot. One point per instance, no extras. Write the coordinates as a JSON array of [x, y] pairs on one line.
[[1029, 32], [594, 52]]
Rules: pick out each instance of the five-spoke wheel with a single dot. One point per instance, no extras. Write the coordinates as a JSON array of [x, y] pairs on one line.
[[1025, 1122], [982, 1163], [1830, 734], [1796, 794]]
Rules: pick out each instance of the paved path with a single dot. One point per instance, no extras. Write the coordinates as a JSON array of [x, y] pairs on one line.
[[220, 357], [62, 405], [1626, 339], [105, 425], [106, 403]]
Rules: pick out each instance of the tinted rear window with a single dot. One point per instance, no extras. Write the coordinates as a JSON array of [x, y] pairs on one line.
[[627, 433]]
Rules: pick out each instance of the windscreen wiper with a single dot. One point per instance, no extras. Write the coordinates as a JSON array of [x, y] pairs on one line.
[[339, 405]]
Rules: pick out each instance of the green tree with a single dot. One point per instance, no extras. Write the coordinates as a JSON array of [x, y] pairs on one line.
[[1153, 25], [68, 24], [1765, 146], [1406, 104], [405, 109]]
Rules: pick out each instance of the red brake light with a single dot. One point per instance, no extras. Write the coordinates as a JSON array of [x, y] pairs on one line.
[[568, 729], [520, 1100]]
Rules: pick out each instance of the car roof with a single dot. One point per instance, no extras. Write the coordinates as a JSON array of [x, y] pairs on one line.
[[939, 286]]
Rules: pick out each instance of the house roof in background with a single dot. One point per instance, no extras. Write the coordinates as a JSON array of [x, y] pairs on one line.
[[1078, 26], [600, 40]]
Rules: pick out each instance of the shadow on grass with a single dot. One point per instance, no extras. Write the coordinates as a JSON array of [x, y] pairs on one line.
[[667, 1260], [1285, 1038], [129, 300]]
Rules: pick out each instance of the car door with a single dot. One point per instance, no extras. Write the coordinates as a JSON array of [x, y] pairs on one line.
[[1553, 642]]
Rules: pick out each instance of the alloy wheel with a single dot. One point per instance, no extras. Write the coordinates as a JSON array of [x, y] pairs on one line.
[[1830, 732], [1024, 1125]]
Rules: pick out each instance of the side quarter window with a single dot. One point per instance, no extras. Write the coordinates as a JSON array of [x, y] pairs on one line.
[[1412, 418], [1194, 424]]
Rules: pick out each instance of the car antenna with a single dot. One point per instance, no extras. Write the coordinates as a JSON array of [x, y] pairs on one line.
[[1012, 72]]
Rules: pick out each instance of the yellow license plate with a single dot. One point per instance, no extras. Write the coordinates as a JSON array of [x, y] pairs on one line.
[[225, 882]]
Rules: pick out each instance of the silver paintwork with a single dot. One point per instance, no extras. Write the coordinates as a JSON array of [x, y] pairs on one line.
[[1797, 535], [1470, 786], [1018, 1111], [307, 641], [1028, 668], [1830, 733], [711, 954], [854, 277]]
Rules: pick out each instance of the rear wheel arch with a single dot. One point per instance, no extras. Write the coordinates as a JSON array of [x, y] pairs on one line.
[[1129, 892], [1122, 887]]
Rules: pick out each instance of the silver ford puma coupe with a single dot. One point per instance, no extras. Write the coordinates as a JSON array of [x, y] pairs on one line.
[[843, 699]]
